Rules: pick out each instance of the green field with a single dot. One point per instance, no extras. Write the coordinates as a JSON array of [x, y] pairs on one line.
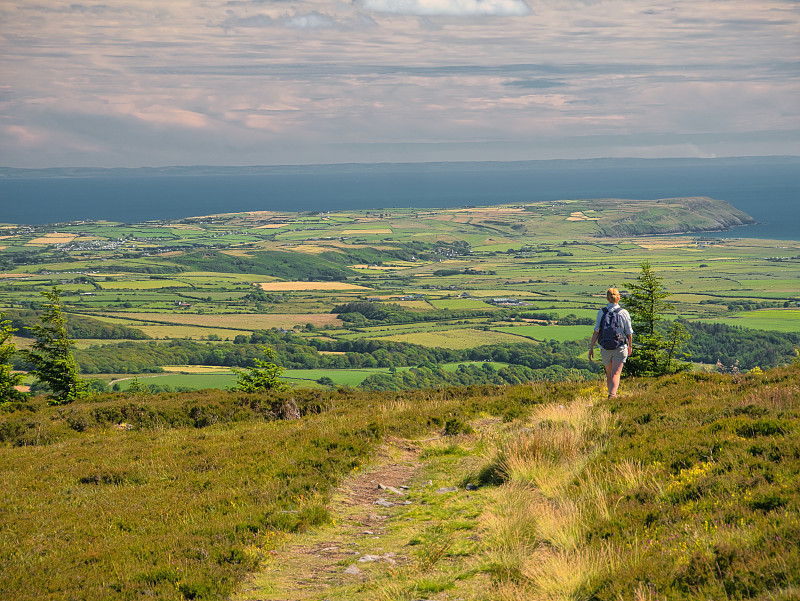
[[460, 303], [778, 320], [558, 333], [187, 381], [143, 285]]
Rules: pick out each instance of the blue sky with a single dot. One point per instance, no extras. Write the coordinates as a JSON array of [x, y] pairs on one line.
[[242, 82]]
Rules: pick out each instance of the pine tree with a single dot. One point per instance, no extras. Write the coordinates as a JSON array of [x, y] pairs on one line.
[[654, 355], [51, 354], [8, 379]]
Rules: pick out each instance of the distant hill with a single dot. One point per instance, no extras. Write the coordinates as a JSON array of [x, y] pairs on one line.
[[670, 216]]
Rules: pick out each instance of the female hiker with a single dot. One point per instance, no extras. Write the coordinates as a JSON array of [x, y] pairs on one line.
[[614, 332]]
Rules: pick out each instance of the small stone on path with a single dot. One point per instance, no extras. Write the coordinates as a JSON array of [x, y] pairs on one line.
[[384, 503], [387, 557], [353, 570], [369, 558], [447, 489], [391, 489]]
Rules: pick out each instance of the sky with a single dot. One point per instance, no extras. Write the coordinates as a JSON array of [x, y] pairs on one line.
[[129, 83]]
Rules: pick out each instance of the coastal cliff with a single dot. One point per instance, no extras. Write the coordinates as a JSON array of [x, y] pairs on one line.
[[670, 216]]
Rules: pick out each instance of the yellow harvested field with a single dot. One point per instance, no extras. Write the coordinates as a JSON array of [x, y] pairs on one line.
[[190, 332], [454, 339], [3, 247], [236, 253], [197, 369], [415, 304], [311, 249], [6, 237], [15, 275], [270, 226], [580, 216], [53, 238], [365, 231], [238, 321], [287, 286]]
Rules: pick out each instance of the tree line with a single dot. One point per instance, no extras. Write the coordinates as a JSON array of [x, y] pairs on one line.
[[295, 352], [78, 326], [431, 376], [712, 342]]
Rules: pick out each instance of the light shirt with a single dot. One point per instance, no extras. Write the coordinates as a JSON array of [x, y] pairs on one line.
[[623, 314]]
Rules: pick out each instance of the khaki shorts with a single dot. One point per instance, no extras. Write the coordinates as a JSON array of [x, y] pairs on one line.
[[617, 355]]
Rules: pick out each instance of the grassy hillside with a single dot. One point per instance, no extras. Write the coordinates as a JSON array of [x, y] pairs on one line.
[[686, 487]]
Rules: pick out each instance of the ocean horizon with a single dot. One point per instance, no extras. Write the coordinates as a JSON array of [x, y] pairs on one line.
[[767, 188]]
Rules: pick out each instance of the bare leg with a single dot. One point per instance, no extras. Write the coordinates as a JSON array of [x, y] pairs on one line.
[[613, 373], [609, 377]]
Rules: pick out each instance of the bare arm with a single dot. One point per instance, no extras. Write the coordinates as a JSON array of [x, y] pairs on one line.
[[591, 345]]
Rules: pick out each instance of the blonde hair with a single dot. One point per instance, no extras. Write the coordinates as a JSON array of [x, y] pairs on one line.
[[612, 295]]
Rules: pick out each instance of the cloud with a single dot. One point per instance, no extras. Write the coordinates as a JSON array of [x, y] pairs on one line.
[[534, 84], [234, 20], [310, 20], [450, 8]]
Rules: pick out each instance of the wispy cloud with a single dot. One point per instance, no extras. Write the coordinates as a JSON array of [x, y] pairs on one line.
[[297, 20], [534, 84], [450, 8]]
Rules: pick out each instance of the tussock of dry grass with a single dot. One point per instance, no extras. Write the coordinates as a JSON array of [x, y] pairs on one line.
[[539, 522], [561, 575]]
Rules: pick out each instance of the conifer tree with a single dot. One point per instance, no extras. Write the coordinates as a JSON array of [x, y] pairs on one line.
[[265, 375], [8, 379], [654, 355], [51, 354]]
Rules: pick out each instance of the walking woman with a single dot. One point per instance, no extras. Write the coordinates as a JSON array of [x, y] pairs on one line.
[[614, 331]]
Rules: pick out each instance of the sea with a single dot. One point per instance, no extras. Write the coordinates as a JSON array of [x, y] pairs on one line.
[[767, 188]]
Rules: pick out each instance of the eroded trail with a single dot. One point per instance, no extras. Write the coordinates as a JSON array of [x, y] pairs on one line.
[[498, 513], [343, 554]]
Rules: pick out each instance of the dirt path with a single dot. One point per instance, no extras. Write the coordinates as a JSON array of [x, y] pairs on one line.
[[311, 563]]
